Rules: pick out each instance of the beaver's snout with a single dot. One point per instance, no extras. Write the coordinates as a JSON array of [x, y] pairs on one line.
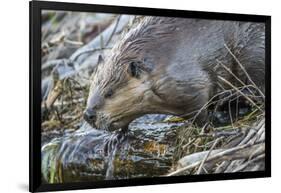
[[90, 116]]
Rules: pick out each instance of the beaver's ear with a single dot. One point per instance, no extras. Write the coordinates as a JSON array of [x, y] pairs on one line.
[[136, 68], [100, 59]]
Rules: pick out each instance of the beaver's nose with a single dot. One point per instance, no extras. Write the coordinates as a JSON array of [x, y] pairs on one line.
[[90, 116]]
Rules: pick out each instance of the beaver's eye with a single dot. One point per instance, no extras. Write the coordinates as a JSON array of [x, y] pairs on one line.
[[109, 94], [134, 69]]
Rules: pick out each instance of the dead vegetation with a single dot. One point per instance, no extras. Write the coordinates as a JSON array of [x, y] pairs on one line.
[[235, 147]]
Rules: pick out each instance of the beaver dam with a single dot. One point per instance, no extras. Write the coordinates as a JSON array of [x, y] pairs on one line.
[[73, 45]]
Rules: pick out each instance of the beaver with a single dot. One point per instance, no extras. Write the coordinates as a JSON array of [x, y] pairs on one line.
[[166, 65]]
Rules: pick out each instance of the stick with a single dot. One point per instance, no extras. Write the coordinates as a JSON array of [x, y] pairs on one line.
[[227, 152], [250, 100], [208, 154], [244, 70]]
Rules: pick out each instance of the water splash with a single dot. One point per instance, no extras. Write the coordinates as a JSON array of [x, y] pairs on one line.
[[111, 147]]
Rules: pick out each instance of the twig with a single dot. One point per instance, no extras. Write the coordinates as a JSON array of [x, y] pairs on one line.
[[113, 31], [244, 70], [123, 20], [220, 133], [227, 152], [230, 113], [88, 51], [242, 167], [208, 154], [231, 85], [240, 81]]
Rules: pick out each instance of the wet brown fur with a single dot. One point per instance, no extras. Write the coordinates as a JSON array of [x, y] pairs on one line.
[[179, 60]]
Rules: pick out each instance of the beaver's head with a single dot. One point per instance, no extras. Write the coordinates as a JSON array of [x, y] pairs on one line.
[[132, 81]]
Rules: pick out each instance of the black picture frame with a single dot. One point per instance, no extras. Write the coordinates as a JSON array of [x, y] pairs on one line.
[[35, 8]]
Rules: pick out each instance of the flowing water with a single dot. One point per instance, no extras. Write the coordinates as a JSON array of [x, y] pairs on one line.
[[88, 154]]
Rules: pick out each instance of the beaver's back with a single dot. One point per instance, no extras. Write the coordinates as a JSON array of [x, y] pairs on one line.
[[199, 47]]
